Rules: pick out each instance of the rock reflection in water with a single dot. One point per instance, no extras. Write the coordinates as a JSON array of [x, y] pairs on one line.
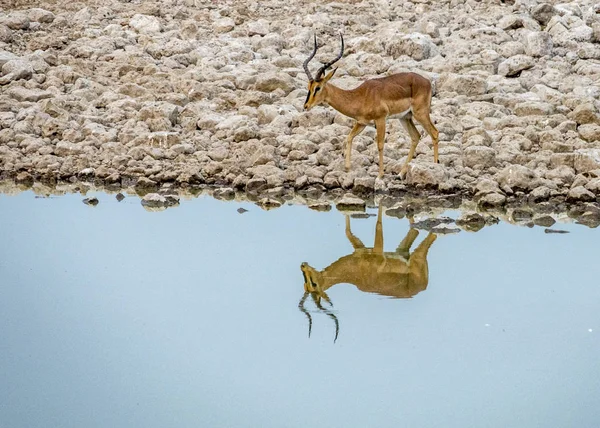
[[397, 274]]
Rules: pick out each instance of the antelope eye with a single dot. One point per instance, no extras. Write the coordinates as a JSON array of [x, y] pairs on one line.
[[317, 89]]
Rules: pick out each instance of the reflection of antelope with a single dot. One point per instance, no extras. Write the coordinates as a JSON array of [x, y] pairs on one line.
[[397, 274]]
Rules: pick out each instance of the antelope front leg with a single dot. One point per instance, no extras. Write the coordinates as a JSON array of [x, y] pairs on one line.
[[380, 125], [356, 129]]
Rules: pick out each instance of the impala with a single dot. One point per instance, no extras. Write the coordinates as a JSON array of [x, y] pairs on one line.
[[401, 95], [397, 274]]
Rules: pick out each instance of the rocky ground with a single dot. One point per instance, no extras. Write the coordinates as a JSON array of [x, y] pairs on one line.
[[193, 93]]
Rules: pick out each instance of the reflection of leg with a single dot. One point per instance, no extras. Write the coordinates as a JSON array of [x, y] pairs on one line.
[[423, 248], [418, 270], [378, 247], [356, 129], [404, 247], [356, 243]]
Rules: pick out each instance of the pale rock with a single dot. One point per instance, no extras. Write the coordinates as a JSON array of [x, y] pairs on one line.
[[6, 56], [492, 200], [534, 108], [16, 21], [586, 160], [426, 174], [40, 15], [417, 46], [209, 121], [269, 82], [538, 44], [350, 202], [514, 65], [517, 177], [223, 25], [584, 114], [145, 24], [16, 69], [20, 93], [589, 132], [6, 35], [580, 193], [462, 84], [259, 27], [479, 156], [543, 12]]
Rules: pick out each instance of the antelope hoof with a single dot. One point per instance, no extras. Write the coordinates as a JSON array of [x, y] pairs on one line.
[[403, 172]]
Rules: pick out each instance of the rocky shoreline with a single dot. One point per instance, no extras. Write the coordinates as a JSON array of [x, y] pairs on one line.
[[191, 94]]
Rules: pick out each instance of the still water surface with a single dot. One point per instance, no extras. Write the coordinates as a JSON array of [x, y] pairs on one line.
[[112, 316]]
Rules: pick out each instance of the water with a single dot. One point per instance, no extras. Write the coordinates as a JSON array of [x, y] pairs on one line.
[[112, 316]]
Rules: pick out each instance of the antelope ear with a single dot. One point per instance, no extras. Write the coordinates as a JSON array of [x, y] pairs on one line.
[[330, 75]]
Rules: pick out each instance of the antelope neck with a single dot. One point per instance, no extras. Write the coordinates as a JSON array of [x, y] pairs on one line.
[[340, 99]]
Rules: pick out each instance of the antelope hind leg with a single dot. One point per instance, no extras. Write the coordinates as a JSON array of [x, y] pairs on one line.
[[415, 136]]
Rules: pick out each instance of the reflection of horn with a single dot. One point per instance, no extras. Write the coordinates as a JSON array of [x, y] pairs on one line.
[[303, 310], [327, 312]]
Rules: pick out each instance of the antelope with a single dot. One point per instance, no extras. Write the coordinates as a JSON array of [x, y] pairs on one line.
[[401, 95], [398, 274]]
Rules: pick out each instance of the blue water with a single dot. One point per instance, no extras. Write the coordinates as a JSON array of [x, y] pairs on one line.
[[112, 316]]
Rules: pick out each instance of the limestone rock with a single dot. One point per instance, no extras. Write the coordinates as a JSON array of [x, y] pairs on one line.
[[145, 24], [350, 202], [515, 65]]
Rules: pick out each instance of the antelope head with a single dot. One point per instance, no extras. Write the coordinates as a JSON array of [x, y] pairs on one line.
[[316, 86], [313, 287]]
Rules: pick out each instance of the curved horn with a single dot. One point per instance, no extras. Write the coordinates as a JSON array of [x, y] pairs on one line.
[[329, 64], [327, 312], [303, 310], [312, 55]]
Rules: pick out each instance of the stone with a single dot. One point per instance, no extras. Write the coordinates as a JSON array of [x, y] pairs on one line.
[[40, 15], [463, 84], [223, 25], [492, 200], [479, 156], [544, 220], [320, 206], [20, 93], [585, 113], [155, 200], [268, 203], [6, 56], [543, 12], [16, 69], [427, 175], [533, 108], [515, 65], [471, 222], [417, 46], [91, 201], [538, 44], [517, 177], [580, 193], [586, 160], [17, 21], [145, 24], [350, 202], [259, 27], [589, 132], [6, 35], [119, 197], [269, 82]]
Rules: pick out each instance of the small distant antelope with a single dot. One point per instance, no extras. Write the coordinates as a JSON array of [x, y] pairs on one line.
[[403, 95], [398, 274]]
